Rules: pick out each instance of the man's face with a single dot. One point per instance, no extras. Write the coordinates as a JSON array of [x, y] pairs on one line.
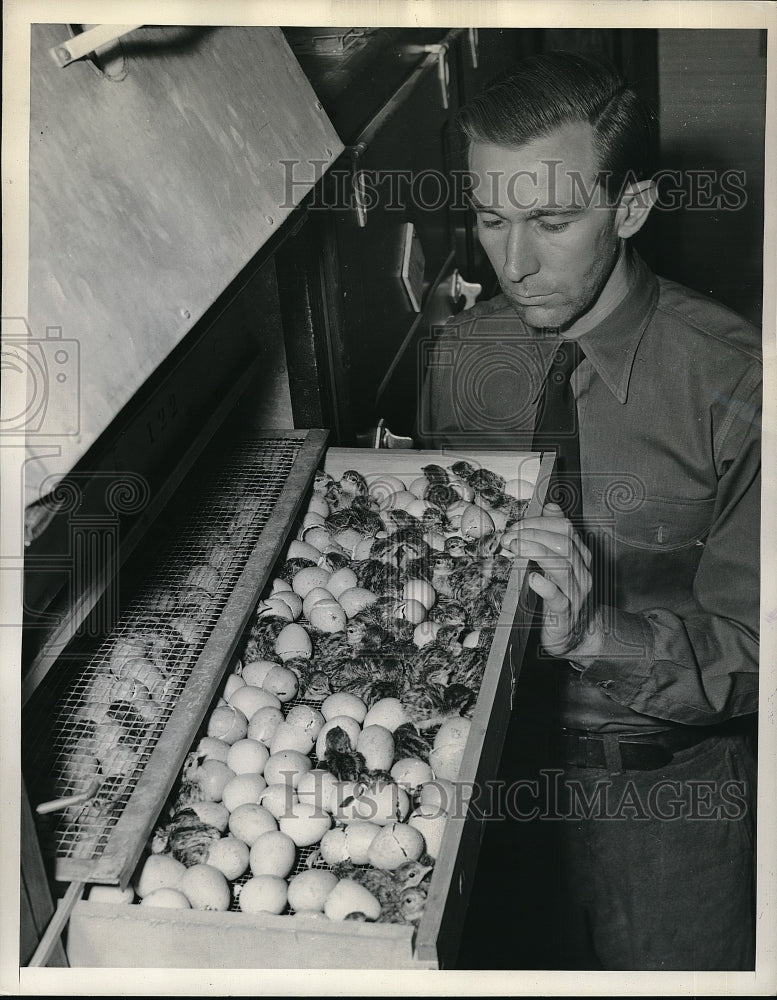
[[548, 233]]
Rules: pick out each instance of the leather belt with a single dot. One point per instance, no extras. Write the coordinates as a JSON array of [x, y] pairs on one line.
[[638, 752]]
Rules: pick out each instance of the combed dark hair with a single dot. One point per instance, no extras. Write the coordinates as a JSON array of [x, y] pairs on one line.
[[552, 89]]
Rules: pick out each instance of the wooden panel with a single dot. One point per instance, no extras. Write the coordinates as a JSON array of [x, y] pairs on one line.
[[36, 904], [104, 935], [148, 194]]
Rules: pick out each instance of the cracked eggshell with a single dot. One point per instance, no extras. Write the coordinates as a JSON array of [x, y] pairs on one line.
[[292, 601], [418, 487], [313, 597], [317, 788], [305, 579], [318, 505], [348, 539], [363, 549], [293, 640], [359, 836], [386, 712], [356, 599], [420, 590], [349, 726], [400, 500], [340, 580], [306, 717], [395, 844], [228, 723], [464, 490], [233, 682], [255, 671], [454, 731], [328, 616], [249, 699], [308, 891], [430, 823], [382, 803], [276, 607], [303, 550], [263, 723], [411, 772], [288, 737], [417, 507], [446, 761], [475, 522], [384, 485], [424, 632], [281, 682]]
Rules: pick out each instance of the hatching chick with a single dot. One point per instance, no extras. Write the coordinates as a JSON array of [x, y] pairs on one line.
[[435, 519], [262, 636], [432, 703], [435, 474], [353, 482], [343, 762], [486, 605], [449, 613], [387, 887], [292, 566], [464, 470], [362, 635], [486, 479], [442, 495], [318, 687]]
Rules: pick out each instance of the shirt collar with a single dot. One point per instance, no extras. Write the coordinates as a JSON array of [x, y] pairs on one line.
[[611, 345]]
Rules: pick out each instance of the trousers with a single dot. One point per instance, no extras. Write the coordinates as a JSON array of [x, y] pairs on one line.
[[633, 870]]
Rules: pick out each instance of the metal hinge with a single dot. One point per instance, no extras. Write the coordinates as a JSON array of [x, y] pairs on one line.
[[88, 41], [443, 69]]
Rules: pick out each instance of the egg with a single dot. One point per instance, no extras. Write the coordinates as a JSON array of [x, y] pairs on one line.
[[382, 803], [343, 703], [376, 744], [435, 540], [359, 836], [282, 683], [159, 871], [276, 608], [206, 888], [446, 761], [395, 844], [247, 756], [293, 640], [419, 486], [521, 489], [250, 821], [412, 611], [241, 789], [363, 549], [441, 795], [114, 894], [312, 518], [417, 507], [228, 723], [424, 632], [454, 730], [211, 813], [356, 599], [288, 766], [383, 485], [278, 798], [317, 536], [272, 853], [351, 897], [340, 580], [212, 776], [263, 723], [317, 788], [471, 639], [230, 856], [333, 848], [411, 772], [255, 671], [350, 726], [287, 737], [308, 891], [328, 617], [306, 717], [169, 899], [313, 597], [475, 522], [318, 505], [430, 823], [233, 682], [306, 579], [302, 550], [348, 539], [249, 699], [387, 712], [263, 894], [463, 489], [420, 590], [400, 500], [306, 823], [292, 601], [210, 746], [279, 586]]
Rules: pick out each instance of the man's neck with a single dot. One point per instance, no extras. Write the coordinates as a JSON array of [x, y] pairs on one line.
[[614, 292]]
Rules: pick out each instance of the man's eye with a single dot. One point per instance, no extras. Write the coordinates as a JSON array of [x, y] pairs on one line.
[[489, 223], [552, 227]]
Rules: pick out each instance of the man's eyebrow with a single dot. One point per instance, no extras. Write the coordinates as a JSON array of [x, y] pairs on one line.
[[533, 213]]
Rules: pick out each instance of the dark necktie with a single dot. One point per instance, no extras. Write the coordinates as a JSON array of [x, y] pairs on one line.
[[556, 426]]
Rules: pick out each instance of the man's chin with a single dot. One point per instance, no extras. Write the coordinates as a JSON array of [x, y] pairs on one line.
[[540, 316]]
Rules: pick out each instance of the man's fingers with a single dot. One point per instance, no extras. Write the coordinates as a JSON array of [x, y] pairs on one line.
[[559, 528], [554, 599], [568, 574], [553, 510]]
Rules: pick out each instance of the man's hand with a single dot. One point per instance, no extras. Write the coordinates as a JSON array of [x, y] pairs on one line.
[[551, 541]]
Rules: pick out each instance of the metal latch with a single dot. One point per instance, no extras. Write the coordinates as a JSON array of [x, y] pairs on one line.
[[88, 41], [469, 289], [381, 437], [443, 69]]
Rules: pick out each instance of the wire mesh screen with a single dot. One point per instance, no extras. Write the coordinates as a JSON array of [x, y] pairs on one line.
[[92, 728]]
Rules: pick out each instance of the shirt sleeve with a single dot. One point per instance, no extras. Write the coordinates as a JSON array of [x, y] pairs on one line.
[[700, 667]]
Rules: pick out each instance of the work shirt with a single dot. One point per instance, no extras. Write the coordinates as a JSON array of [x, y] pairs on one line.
[[669, 401]]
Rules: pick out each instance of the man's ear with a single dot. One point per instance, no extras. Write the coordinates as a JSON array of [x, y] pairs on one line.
[[634, 207]]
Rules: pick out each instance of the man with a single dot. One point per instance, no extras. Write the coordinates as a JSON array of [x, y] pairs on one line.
[[635, 709]]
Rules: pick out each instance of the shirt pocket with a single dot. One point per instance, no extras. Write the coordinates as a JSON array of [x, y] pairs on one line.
[[662, 524]]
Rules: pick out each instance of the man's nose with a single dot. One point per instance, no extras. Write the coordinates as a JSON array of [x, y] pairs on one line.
[[520, 258]]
